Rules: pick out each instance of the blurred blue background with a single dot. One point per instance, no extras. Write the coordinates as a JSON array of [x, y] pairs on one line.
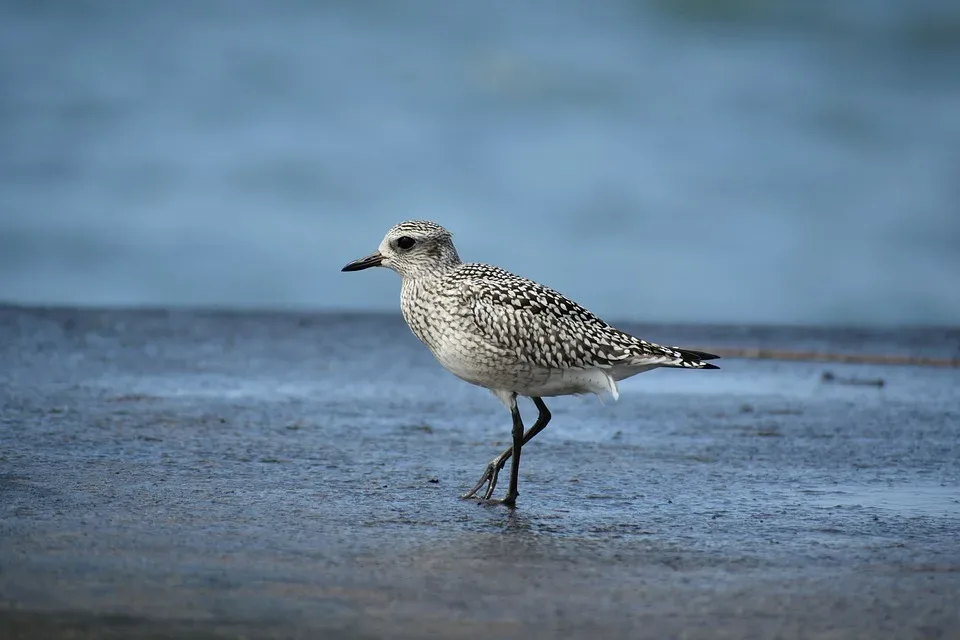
[[746, 161]]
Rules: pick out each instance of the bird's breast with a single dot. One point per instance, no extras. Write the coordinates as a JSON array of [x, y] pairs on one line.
[[447, 328]]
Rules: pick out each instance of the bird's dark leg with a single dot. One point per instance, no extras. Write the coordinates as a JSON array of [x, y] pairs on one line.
[[512, 492], [500, 461], [492, 471]]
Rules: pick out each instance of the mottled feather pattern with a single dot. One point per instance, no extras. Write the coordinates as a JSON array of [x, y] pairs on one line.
[[545, 328], [509, 334]]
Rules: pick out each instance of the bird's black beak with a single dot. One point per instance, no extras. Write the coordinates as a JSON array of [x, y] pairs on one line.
[[372, 260]]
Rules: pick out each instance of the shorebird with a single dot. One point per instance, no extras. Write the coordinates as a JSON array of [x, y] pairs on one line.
[[509, 334]]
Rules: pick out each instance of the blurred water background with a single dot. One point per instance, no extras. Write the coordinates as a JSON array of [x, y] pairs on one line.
[[744, 161]]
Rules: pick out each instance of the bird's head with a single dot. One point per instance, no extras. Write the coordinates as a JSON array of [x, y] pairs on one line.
[[414, 249]]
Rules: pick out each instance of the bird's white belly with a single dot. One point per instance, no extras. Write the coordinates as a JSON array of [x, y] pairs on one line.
[[525, 379], [474, 366], [562, 382]]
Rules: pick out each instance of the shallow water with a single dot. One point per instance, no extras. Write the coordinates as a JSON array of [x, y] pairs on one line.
[[284, 474], [936, 500]]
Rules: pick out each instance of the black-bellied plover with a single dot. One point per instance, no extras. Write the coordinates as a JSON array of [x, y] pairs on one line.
[[508, 334]]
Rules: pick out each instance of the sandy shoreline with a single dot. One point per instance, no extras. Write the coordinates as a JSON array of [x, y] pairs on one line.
[[286, 475]]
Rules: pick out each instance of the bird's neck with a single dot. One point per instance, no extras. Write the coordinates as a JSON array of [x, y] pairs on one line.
[[435, 270]]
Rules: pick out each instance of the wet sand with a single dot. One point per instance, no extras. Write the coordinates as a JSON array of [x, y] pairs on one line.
[[208, 475]]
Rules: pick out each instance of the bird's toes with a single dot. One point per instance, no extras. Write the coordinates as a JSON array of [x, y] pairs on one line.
[[497, 502]]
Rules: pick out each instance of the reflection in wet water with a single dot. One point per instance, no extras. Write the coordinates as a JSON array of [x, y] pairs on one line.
[[904, 500]]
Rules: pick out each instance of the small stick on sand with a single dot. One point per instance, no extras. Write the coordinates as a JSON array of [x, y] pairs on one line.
[[755, 353]]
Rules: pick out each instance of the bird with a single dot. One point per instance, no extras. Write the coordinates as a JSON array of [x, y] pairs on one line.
[[510, 335]]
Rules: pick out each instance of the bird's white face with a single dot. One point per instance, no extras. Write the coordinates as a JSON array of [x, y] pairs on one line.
[[414, 249]]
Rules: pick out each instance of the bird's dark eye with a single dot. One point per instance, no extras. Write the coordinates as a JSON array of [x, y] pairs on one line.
[[405, 242]]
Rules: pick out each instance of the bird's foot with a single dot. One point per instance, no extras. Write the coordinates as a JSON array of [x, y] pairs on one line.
[[510, 503], [488, 478]]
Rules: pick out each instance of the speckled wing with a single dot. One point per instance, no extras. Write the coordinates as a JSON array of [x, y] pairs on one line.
[[544, 328]]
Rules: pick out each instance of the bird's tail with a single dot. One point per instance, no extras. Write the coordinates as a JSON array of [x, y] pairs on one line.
[[690, 359]]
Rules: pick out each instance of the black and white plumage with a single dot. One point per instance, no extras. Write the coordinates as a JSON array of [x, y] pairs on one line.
[[509, 334]]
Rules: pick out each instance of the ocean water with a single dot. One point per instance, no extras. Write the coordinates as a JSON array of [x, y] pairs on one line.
[[719, 162]]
